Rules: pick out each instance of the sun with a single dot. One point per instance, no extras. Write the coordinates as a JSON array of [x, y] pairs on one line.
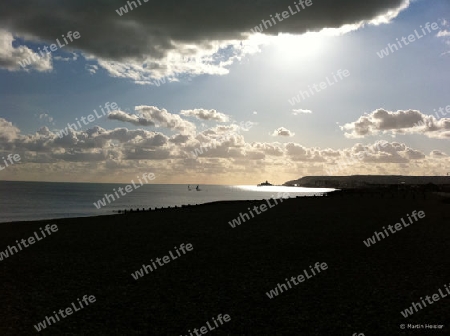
[[294, 47]]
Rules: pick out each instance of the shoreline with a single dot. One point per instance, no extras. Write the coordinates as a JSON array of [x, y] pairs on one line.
[[350, 192], [132, 210]]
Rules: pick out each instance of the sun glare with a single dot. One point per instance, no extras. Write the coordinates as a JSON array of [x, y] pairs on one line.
[[293, 47]]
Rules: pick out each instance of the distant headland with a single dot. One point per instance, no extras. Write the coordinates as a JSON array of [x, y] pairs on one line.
[[367, 181]]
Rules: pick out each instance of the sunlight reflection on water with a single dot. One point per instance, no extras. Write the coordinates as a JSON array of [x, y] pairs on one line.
[[284, 189]]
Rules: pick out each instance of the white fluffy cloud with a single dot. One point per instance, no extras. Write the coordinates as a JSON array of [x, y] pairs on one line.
[[8, 132], [12, 58], [301, 111], [444, 34], [382, 121], [112, 155], [131, 118], [153, 116], [206, 115], [281, 131]]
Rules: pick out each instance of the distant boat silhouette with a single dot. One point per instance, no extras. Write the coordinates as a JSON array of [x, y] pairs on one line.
[[198, 189], [265, 184]]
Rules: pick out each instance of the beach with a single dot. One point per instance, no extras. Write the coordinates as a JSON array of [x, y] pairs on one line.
[[229, 271]]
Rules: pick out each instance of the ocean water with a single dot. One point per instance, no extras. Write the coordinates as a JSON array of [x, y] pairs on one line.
[[26, 201]]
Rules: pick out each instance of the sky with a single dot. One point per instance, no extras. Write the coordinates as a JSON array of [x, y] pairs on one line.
[[231, 92]]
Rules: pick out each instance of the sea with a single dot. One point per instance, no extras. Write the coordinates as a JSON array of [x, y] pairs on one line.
[[28, 201]]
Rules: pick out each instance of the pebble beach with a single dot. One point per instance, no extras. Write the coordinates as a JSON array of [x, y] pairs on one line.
[[230, 270]]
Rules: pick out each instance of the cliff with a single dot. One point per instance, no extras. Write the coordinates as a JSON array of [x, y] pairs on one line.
[[358, 181]]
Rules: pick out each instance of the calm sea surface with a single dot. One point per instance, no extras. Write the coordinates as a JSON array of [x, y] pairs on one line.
[[25, 201]]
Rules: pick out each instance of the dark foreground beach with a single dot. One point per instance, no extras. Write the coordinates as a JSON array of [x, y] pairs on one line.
[[229, 270]]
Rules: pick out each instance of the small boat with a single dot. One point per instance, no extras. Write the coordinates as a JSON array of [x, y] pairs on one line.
[[265, 184], [197, 188]]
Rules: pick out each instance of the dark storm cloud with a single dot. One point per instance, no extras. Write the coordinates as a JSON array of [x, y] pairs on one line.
[[156, 27]]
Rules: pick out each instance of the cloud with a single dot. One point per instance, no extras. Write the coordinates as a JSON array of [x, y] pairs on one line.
[[400, 122], [206, 115], [98, 154], [11, 57], [92, 68], [437, 153], [8, 132], [157, 40], [274, 149], [281, 131], [179, 139], [161, 117], [66, 59], [221, 130], [301, 111], [131, 118], [153, 116], [384, 152], [46, 117], [443, 33], [379, 155], [299, 153]]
